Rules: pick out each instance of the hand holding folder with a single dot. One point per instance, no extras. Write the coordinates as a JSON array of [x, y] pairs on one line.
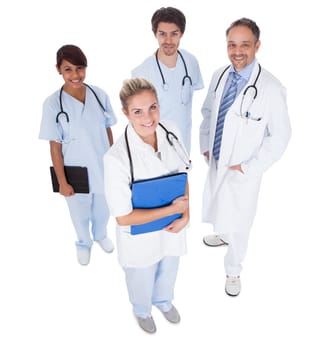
[[76, 176], [156, 193], [153, 193]]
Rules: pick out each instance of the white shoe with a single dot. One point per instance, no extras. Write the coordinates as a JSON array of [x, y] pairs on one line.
[[214, 241], [233, 285], [83, 254], [106, 244]]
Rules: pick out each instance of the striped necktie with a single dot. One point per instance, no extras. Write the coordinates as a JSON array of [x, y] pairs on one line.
[[227, 101]]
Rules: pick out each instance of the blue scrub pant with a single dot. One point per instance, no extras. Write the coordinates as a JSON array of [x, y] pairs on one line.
[[153, 285], [88, 211]]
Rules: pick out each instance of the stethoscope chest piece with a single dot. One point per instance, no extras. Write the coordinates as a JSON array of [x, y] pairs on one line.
[[62, 114], [165, 86]]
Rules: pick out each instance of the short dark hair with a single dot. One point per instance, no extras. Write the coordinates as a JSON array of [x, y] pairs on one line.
[[246, 22], [72, 54], [168, 15]]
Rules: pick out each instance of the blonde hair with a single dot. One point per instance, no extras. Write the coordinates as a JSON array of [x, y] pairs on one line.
[[132, 87]]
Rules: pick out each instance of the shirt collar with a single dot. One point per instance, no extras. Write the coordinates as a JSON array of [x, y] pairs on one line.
[[246, 72], [140, 144]]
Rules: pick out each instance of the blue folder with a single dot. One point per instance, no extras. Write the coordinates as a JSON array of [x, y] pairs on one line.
[[155, 193]]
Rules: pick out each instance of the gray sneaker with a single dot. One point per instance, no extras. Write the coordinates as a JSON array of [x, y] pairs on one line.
[[172, 315], [147, 324]]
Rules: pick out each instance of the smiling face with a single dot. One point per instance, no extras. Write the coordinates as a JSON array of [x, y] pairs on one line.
[[73, 75], [143, 113], [241, 47]]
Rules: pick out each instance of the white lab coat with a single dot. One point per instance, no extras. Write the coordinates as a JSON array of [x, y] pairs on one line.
[[230, 197], [142, 250]]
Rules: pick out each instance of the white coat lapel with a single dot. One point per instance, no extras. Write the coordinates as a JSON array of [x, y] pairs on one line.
[[232, 123]]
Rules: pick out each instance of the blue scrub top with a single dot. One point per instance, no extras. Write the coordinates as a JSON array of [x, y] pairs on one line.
[[85, 135], [175, 101]]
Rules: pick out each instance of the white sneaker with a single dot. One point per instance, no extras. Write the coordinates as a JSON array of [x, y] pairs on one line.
[[106, 244], [233, 285], [83, 254], [214, 241]]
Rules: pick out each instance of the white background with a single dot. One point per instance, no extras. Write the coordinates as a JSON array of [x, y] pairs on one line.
[[50, 302]]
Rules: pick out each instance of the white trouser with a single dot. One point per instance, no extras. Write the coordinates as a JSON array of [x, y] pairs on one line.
[[153, 285], [86, 209], [236, 251]]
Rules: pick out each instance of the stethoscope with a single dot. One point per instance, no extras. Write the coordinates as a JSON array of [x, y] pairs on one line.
[[249, 87], [65, 115], [186, 76], [177, 146], [173, 142]]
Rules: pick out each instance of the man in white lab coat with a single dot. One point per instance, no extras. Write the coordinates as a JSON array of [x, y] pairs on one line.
[[245, 129]]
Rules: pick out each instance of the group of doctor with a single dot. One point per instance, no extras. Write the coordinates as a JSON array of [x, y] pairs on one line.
[[245, 129]]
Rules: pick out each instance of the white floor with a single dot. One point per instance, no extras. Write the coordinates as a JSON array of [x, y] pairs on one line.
[[48, 301]]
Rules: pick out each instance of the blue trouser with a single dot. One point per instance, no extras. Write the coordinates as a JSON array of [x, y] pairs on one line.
[[85, 210], [153, 285]]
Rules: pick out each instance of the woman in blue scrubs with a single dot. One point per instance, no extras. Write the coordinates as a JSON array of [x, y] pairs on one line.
[[80, 137]]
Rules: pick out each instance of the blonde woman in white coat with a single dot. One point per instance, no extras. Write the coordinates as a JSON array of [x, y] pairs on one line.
[[150, 260], [255, 134]]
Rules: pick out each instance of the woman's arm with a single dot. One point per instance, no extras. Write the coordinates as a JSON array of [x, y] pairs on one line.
[[141, 216], [58, 163], [178, 224], [110, 136]]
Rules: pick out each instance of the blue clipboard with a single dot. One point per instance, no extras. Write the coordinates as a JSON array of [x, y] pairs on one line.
[[155, 193]]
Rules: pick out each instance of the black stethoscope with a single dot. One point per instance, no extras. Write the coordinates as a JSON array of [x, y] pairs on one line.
[[252, 86], [177, 146], [62, 114], [186, 76]]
